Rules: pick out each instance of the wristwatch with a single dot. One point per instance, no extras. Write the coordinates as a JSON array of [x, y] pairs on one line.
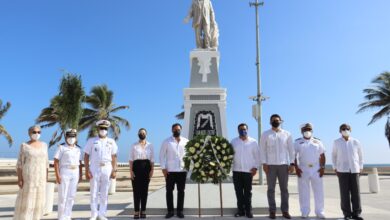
[[292, 164]]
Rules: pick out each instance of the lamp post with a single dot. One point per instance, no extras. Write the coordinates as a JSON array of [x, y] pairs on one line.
[[256, 109]]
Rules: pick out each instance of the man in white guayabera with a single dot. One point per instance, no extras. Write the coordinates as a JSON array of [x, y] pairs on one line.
[[347, 160]]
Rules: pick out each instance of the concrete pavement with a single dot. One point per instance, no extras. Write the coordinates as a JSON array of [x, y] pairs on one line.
[[375, 206]]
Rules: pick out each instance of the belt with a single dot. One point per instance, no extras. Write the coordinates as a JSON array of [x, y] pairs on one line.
[[102, 164], [71, 167], [310, 165]]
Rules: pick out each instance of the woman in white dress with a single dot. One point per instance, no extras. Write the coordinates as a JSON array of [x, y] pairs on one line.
[[32, 168], [68, 169]]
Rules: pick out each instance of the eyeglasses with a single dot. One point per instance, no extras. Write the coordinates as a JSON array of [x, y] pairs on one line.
[[101, 128], [36, 132]]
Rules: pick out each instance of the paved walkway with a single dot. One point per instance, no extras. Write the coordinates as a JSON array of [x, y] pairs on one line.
[[375, 206]]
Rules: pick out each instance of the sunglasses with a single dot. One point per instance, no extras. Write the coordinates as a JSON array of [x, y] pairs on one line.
[[36, 132], [345, 129], [103, 128]]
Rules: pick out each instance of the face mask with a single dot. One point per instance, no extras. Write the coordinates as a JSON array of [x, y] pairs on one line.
[[307, 134], [176, 134], [243, 133], [35, 137], [141, 136], [345, 133], [71, 141], [275, 124], [103, 133]]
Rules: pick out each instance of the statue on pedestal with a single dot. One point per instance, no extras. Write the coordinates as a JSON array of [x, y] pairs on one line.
[[203, 21]]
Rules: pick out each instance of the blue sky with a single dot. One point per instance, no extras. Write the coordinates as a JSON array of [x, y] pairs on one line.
[[316, 57]]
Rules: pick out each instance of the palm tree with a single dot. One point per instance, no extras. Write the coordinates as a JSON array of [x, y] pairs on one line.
[[101, 106], [3, 131], [378, 97], [65, 109]]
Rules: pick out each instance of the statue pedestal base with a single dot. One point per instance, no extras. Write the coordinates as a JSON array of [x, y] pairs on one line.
[[204, 112]]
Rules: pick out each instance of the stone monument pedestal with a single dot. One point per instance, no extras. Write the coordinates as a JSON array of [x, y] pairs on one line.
[[205, 100]]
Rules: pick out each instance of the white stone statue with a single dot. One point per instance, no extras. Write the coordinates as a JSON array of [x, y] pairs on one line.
[[203, 21]]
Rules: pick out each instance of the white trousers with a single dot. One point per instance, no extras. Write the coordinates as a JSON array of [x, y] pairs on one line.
[[67, 192], [311, 177], [100, 184]]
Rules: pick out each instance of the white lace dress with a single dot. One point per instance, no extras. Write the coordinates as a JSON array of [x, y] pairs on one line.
[[30, 200]]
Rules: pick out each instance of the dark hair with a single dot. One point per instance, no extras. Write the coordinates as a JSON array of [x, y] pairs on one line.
[[142, 129], [176, 124], [275, 116], [344, 125], [242, 124]]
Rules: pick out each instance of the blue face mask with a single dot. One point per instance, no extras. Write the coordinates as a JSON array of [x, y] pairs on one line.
[[243, 133]]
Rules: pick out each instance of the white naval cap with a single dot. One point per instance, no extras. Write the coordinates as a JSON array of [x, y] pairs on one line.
[[306, 125], [103, 123], [71, 132]]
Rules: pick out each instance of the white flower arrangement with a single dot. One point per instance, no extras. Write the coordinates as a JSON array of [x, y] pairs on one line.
[[209, 158]]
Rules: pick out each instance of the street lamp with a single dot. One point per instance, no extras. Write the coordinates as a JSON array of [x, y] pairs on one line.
[[256, 109]]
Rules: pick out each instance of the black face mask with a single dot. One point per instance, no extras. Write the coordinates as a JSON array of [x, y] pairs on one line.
[[275, 124], [141, 136], [176, 134]]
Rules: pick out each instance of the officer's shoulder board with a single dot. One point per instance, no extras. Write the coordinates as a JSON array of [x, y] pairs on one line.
[[316, 140], [299, 140]]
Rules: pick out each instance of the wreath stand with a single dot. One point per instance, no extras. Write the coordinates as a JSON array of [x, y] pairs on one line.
[[220, 200]]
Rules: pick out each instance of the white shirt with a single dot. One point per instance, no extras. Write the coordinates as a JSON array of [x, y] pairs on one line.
[[308, 152], [347, 155], [276, 147], [172, 153], [68, 156], [137, 152], [246, 154], [100, 150]]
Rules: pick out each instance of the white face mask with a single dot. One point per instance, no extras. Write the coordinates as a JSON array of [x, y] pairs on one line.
[[103, 133], [35, 137], [307, 134], [71, 141], [345, 133]]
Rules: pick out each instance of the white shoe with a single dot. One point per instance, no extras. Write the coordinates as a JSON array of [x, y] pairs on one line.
[[304, 215], [321, 216], [102, 217], [92, 218]]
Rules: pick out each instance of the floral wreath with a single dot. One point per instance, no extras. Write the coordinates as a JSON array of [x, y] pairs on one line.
[[209, 158]]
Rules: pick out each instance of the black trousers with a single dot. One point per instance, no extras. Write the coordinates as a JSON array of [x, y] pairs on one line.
[[178, 178], [350, 193], [141, 169], [243, 186]]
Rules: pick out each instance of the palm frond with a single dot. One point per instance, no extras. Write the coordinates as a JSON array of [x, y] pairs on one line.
[[5, 133], [377, 96], [4, 109]]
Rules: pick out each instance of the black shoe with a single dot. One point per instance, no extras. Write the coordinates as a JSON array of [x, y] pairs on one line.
[[347, 217], [272, 215], [180, 215], [249, 214], [239, 214], [169, 215], [357, 217]]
